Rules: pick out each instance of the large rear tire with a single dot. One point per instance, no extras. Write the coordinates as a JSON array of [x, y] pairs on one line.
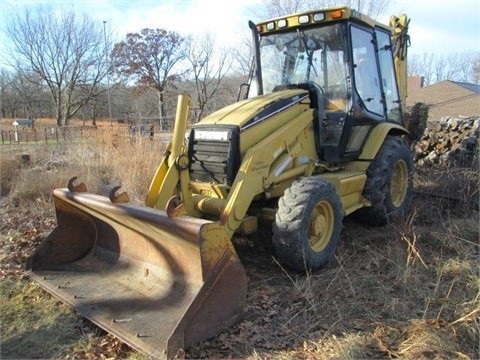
[[308, 224], [389, 183]]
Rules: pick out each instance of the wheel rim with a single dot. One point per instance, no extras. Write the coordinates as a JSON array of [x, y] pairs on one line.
[[320, 227], [399, 185]]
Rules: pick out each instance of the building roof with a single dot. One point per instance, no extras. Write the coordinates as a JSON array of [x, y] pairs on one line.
[[448, 99], [23, 122], [471, 87]]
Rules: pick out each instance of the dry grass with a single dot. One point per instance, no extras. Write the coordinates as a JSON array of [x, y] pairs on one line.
[[101, 159], [9, 170], [409, 290], [33, 324], [456, 191]]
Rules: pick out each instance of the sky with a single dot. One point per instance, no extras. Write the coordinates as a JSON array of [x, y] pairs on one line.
[[437, 26]]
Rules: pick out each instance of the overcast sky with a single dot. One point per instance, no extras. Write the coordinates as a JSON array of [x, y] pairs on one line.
[[437, 26]]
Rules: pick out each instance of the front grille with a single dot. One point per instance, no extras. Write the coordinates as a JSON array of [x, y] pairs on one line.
[[215, 160]]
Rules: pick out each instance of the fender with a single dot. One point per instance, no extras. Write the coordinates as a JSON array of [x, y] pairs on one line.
[[377, 137]]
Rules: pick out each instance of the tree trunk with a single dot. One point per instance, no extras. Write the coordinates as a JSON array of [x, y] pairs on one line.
[[161, 108], [57, 100], [59, 118], [66, 114], [94, 116], [161, 104]]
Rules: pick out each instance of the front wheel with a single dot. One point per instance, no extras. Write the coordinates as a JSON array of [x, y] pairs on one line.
[[389, 185], [308, 224]]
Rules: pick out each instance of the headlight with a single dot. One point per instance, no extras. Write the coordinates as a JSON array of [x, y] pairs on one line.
[[221, 135]]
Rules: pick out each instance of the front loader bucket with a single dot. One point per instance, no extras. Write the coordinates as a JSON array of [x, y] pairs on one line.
[[159, 284]]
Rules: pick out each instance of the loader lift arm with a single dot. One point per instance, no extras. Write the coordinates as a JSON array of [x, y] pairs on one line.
[[255, 176], [401, 42]]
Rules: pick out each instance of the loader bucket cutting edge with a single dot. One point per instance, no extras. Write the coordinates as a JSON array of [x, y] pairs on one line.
[[158, 284]]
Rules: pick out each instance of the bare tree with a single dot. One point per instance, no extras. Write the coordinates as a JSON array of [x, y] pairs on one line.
[[209, 68], [32, 98], [476, 70], [243, 55], [274, 8], [20, 96], [422, 65], [469, 66], [64, 51], [446, 68], [149, 59], [373, 8], [454, 67], [5, 98]]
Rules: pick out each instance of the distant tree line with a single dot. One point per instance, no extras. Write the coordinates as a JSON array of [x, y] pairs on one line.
[[460, 67], [66, 66], [62, 66]]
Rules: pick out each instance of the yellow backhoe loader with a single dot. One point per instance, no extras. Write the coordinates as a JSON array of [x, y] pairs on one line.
[[318, 135]]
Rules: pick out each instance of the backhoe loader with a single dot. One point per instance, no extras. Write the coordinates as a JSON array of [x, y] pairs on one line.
[[318, 134]]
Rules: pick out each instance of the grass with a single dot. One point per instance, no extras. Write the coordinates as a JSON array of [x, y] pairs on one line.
[[408, 290], [37, 326], [38, 334]]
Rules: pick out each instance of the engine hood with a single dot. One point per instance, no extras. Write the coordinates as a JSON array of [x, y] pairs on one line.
[[247, 113]]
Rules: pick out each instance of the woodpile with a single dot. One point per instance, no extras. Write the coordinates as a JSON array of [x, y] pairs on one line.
[[416, 118], [449, 142]]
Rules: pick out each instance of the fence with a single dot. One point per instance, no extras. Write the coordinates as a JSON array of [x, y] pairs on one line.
[[164, 124], [44, 135]]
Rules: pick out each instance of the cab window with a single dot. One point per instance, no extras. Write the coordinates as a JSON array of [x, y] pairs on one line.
[[366, 76], [389, 83]]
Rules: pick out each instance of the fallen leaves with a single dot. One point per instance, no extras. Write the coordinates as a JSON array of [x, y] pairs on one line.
[[22, 230], [106, 347], [359, 305]]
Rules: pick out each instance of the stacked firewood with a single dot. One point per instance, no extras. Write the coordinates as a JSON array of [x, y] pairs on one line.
[[450, 142]]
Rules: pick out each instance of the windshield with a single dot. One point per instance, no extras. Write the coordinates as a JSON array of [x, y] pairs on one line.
[[316, 55]]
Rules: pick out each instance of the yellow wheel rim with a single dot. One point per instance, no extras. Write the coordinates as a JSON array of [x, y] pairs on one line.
[[320, 227], [399, 185]]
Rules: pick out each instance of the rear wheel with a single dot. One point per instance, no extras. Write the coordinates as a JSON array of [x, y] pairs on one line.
[[308, 224], [389, 183]]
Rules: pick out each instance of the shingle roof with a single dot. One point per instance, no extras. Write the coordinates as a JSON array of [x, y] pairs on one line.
[[471, 87], [448, 99]]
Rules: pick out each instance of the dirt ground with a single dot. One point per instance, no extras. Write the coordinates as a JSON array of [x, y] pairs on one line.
[[377, 299], [407, 290]]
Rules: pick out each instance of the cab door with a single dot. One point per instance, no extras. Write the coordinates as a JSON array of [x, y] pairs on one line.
[[388, 77], [367, 82]]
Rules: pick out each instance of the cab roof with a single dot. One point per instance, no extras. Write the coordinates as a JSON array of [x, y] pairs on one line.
[[315, 17]]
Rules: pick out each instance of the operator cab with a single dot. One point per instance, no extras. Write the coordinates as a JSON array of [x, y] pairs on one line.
[[345, 63]]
